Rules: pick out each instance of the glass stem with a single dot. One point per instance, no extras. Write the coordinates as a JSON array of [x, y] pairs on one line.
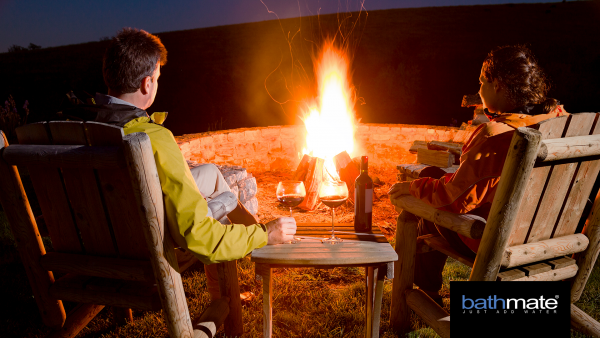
[[332, 222], [291, 214]]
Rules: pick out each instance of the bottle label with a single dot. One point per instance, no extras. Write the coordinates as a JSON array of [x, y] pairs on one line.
[[368, 200], [355, 202]]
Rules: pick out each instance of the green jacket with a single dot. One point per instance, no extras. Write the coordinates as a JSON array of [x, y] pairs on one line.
[[185, 208]]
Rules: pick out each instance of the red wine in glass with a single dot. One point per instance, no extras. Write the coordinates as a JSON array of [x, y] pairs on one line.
[[292, 200], [333, 194], [291, 194], [333, 201]]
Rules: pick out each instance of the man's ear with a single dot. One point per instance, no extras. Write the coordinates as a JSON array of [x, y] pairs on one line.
[[497, 86], [145, 87]]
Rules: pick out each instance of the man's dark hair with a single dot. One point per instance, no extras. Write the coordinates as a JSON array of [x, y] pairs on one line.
[[131, 56], [518, 71]]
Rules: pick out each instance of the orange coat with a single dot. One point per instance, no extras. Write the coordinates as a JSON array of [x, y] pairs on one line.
[[475, 182]]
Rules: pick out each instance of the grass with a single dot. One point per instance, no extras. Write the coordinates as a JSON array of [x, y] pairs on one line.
[[307, 302]]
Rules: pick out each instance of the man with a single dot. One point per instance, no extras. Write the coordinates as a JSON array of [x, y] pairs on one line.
[[131, 69]]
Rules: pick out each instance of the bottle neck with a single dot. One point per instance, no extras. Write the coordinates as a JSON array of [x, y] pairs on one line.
[[364, 165]]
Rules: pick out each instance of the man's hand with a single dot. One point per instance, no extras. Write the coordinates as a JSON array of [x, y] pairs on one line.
[[281, 230], [400, 188]]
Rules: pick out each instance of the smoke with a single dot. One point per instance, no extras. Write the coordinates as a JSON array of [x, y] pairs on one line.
[[286, 58]]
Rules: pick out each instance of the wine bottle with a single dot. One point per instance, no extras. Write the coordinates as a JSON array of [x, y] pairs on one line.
[[363, 198]]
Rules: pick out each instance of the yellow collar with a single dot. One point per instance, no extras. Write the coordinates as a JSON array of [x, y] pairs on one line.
[[158, 118]]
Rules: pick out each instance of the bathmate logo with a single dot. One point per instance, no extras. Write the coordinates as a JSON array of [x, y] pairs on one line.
[[502, 305], [509, 309]]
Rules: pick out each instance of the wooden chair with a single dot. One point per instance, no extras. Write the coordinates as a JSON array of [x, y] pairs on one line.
[[101, 199], [546, 181]]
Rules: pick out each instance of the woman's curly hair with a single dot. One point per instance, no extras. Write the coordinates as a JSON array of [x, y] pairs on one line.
[[517, 70]]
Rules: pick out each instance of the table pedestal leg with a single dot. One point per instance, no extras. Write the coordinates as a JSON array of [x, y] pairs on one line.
[[369, 303], [264, 270], [380, 273]]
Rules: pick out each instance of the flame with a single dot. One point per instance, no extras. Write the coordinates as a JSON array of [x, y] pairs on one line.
[[330, 120]]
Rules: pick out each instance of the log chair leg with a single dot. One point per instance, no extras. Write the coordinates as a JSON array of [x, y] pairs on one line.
[[229, 287], [369, 303], [380, 273], [122, 316], [582, 322], [404, 271], [77, 319], [429, 311], [587, 259]]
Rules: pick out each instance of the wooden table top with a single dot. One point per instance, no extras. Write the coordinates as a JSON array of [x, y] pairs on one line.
[[355, 249]]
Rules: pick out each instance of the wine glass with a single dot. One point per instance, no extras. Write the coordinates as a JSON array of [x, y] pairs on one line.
[[291, 194], [333, 194]]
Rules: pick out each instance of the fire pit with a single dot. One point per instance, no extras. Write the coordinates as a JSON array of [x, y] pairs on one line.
[[272, 154], [279, 148], [329, 137]]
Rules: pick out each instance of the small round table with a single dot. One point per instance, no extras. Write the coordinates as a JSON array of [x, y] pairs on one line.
[[370, 250]]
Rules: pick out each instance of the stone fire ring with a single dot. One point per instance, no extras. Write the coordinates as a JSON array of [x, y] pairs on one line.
[[240, 152], [280, 147]]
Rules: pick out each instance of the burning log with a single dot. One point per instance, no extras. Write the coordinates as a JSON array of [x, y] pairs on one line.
[[302, 168], [347, 170], [312, 179], [312, 171]]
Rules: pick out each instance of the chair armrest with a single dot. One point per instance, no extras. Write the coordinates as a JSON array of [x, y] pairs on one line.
[[467, 225], [222, 205]]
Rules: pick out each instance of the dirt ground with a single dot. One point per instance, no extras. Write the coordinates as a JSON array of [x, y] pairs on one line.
[[384, 214]]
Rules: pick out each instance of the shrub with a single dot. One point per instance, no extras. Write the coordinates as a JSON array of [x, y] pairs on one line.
[[17, 48], [11, 118]]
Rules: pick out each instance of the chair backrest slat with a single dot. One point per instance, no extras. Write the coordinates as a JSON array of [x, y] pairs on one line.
[[118, 193], [581, 187], [84, 195], [552, 128], [87, 210], [558, 184], [22, 223], [53, 200]]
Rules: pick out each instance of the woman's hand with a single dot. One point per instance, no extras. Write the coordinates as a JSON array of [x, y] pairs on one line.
[[400, 188]]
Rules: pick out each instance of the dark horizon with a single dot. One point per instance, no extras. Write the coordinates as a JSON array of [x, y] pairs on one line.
[[410, 66], [62, 22]]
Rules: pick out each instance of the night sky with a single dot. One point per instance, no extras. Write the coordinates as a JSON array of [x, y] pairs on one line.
[[61, 22]]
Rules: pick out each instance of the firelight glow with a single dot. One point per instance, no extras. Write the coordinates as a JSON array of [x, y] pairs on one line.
[[330, 120]]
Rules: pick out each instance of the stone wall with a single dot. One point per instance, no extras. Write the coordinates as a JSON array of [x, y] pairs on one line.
[[280, 147]]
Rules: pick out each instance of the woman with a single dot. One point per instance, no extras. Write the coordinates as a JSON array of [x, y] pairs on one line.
[[513, 89]]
